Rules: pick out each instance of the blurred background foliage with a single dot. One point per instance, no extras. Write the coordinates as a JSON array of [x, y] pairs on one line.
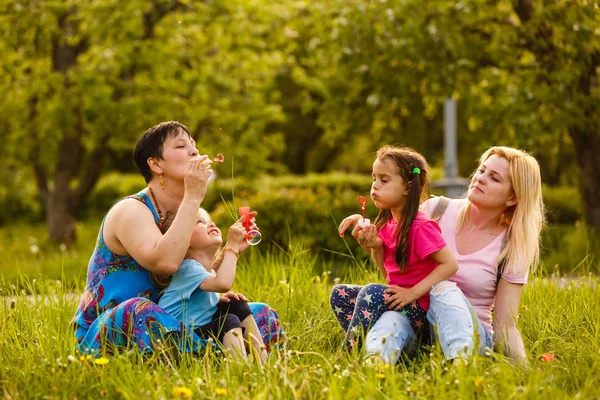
[[298, 96]]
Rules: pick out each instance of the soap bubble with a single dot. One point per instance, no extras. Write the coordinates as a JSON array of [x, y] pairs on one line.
[[253, 237]]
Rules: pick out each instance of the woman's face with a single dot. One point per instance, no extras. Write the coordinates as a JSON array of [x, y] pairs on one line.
[[491, 186], [177, 151]]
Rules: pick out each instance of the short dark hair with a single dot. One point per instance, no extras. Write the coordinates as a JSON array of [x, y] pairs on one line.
[[150, 144]]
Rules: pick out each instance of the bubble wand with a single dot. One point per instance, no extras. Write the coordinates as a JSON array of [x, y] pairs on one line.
[[253, 237], [364, 222], [219, 158]]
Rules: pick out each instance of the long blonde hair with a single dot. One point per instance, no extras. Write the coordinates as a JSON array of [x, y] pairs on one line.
[[524, 220]]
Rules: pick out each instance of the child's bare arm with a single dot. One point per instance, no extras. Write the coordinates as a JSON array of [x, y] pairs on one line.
[[347, 223], [446, 268], [399, 297], [223, 280], [369, 240], [243, 244]]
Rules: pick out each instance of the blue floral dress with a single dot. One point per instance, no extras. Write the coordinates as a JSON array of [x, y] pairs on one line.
[[118, 306]]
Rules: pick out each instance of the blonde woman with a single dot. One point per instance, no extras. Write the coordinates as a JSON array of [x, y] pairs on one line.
[[494, 233]]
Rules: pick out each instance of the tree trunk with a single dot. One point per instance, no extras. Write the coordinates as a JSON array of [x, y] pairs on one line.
[[587, 148], [60, 218]]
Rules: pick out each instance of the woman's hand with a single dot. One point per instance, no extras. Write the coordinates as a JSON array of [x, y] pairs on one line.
[[196, 175], [399, 297], [347, 223], [244, 244], [226, 298], [368, 238]]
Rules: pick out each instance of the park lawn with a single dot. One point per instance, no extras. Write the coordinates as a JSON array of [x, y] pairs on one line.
[[37, 357]]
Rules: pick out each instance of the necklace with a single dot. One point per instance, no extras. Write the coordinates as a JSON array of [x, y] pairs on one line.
[[161, 219]]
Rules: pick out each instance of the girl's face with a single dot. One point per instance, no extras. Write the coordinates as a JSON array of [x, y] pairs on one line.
[[491, 185], [389, 188], [177, 151], [205, 233]]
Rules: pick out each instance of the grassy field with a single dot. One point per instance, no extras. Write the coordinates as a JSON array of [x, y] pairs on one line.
[[37, 357]]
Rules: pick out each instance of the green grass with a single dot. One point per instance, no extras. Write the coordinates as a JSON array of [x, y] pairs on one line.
[[37, 359], [26, 250]]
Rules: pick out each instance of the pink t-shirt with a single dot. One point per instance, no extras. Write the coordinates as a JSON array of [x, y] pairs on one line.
[[424, 238], [477, 272]]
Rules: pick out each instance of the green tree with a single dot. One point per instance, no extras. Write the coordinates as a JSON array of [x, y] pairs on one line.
[[525, 74], [81, 78]]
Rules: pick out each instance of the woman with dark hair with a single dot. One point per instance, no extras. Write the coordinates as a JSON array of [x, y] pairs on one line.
[[118, 305]]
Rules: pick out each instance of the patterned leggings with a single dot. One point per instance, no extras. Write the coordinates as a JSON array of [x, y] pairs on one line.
[[357, 308]]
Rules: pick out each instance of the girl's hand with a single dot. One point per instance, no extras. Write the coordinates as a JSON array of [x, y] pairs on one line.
[[399, 297], [236, 234], [196, 174], [244, 245], [226, 298], [347, 223], [368, 238]]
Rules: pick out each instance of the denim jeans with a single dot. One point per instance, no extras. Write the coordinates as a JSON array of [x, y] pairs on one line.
[[450, 313]]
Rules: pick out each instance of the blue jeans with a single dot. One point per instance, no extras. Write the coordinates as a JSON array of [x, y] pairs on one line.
[[458, 327]]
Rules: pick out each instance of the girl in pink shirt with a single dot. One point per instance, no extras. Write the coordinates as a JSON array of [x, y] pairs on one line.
[[407, 247]]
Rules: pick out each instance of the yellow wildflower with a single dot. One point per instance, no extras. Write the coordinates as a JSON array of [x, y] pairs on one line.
[[101, 361], [479, 381], [221, 391], [182, 391], [380, 376]]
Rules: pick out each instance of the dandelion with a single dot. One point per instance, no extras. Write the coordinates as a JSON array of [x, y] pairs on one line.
[[85, 358], [548, 357], [101, 361], [221, 391], [380, 376], [385, 367], [182, 391], [479, 381]]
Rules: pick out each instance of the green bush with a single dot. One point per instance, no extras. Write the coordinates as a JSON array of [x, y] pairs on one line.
[[566, 250], [563, 204], [110, 188], [306, 209], [19, 200]]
